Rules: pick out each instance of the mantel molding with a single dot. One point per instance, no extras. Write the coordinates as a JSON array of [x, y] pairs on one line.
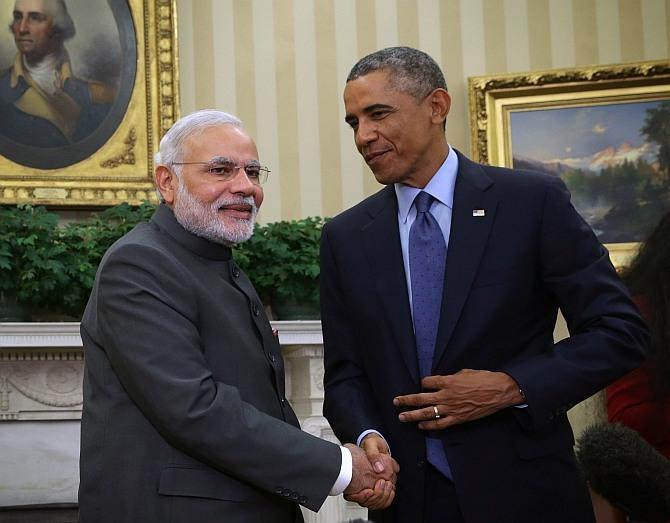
[[66, 334], [39, 335]]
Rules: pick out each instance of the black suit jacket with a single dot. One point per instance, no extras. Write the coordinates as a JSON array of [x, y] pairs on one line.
[[507, 274], [185, 418]]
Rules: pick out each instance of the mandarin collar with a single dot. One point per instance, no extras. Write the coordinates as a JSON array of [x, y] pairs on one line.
[[165, 220]]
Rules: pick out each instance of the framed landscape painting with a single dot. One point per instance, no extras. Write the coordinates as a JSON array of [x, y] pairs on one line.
[[603, 130], [83, 132]]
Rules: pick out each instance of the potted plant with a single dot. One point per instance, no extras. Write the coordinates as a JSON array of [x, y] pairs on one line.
[[282, 261], [87, 241], [32, 263], [47, 271]]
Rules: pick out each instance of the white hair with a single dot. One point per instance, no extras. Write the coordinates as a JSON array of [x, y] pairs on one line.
[[62, 21], [60, 18], [172, 144]]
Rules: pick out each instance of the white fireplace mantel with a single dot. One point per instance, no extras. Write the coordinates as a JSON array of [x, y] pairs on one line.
[[42, 367], [66, 335]]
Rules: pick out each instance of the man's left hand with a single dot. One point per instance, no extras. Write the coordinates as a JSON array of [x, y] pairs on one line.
[[458, 398]]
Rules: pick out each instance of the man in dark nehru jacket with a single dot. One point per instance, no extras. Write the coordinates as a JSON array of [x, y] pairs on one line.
[[185, 418], [439, 299]]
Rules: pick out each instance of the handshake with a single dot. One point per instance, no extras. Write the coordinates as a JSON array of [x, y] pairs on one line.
[[374, 474]]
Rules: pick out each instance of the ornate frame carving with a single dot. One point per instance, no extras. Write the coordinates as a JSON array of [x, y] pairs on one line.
[[492, 99], [121, 170]]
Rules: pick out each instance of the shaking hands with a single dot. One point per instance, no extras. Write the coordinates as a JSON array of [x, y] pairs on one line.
[[374, 474]]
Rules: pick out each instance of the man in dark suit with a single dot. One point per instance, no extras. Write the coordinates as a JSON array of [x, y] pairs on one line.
[[439, 297], [184, 417]]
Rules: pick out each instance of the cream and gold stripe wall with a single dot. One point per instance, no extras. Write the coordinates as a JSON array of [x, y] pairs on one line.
[[281, 65]]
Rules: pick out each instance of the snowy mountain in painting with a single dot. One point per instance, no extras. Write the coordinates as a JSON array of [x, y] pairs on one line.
[[598, 161]]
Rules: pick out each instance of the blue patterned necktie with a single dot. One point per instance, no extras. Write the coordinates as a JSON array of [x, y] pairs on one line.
[[427, 258]]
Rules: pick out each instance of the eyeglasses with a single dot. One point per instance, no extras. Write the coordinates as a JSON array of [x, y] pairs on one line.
[[226, 169]]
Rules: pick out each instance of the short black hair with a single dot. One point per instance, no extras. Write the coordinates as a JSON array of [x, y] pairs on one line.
[[413, 71]]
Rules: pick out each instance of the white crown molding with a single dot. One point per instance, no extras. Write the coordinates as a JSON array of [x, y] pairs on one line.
[[66, 334], [305, 332], [39, 335]]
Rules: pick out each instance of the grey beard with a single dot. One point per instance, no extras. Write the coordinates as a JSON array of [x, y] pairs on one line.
[[203, 219]]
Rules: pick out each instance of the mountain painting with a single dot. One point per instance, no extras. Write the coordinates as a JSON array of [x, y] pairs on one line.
[[614, 158]]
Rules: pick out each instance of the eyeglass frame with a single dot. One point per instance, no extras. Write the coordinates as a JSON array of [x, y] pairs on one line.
[[263, 171]]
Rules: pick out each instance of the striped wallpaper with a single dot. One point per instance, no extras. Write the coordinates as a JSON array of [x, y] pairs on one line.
[[281, 65]]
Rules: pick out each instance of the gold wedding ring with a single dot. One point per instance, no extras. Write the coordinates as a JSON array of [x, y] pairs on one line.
[[437, 413]]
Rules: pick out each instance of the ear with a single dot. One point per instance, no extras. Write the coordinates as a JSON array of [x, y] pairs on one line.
[[440, 103], [166, 182]]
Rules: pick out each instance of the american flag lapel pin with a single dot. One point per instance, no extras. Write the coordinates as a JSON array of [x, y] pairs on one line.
[[478, 213]]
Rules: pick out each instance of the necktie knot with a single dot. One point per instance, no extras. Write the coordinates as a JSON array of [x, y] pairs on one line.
[[423, 201]]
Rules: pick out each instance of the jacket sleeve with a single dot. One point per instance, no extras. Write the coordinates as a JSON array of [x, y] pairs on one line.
[[348, 403], [607, 336]]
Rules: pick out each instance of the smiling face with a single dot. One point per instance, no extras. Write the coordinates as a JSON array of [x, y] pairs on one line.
[[400, 138], [205, 202], [32, 26]]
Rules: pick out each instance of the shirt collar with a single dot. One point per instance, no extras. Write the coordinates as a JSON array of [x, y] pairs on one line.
[[19, 71], [441, 187]]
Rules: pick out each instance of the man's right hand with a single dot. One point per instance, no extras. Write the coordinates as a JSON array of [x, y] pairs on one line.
[[379, 454], [374, 474]]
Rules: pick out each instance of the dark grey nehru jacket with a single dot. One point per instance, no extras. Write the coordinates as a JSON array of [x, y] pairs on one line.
[[184, 416]]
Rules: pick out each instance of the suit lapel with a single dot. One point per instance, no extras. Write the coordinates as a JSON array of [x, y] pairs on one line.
[[381, 241], [467, 240]]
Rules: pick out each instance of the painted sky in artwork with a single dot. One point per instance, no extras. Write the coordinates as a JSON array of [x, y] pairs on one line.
[[574, 136]]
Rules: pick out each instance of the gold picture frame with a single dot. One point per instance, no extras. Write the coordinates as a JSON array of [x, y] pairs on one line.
[[536, 108], [119, 166]]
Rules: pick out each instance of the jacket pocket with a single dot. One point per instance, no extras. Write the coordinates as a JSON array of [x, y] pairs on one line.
[[201, 483]]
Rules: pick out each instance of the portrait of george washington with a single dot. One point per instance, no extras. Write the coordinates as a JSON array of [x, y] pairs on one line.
[[67, 68]]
